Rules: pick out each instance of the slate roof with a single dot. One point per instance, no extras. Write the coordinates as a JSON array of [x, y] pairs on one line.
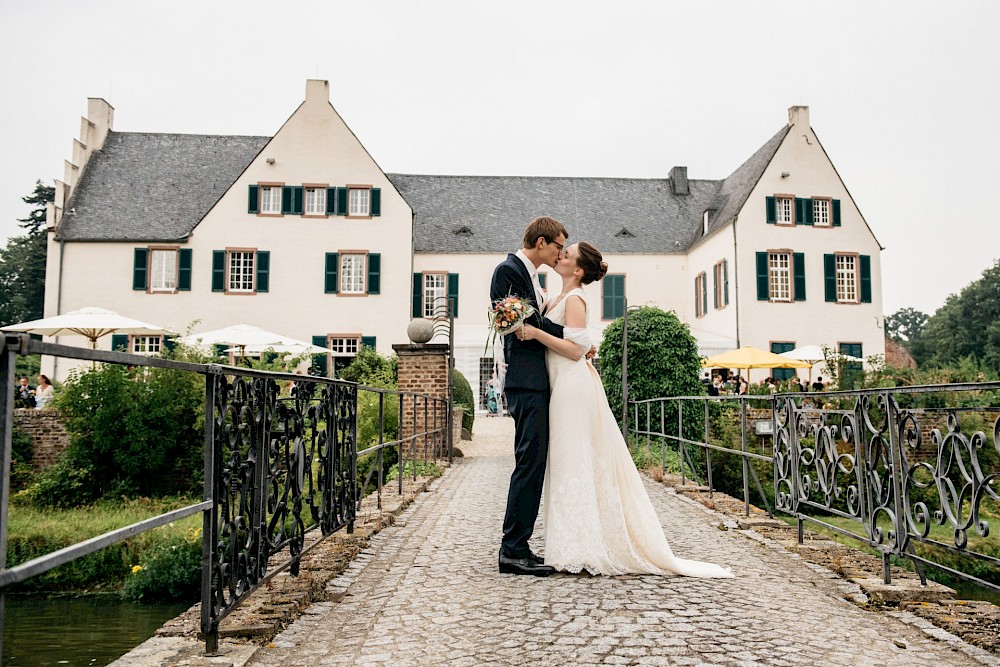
[[488, 214], [153, 187], [158, 187]]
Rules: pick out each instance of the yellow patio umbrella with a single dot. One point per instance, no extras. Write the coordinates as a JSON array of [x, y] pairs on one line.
[[752, 357]]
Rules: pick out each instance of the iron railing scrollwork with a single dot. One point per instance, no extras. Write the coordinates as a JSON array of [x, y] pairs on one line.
[[910, 482], [277, 469]]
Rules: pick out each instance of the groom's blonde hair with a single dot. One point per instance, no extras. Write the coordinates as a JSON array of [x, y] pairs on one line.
[[544, 227]]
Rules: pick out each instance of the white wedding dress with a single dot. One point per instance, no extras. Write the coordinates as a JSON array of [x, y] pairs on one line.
[[597, 514]]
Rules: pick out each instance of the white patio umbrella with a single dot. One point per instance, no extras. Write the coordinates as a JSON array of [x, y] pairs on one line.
[[90, 322], [247, 338]]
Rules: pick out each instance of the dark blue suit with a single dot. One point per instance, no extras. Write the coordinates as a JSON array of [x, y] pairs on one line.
[[526, 384]]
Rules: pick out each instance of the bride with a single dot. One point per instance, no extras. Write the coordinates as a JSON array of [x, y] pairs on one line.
[[598, 516]]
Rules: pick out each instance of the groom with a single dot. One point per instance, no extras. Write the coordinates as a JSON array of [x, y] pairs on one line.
[[527, 387]]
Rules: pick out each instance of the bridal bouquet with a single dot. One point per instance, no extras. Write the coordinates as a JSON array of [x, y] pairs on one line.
[[507, 314]]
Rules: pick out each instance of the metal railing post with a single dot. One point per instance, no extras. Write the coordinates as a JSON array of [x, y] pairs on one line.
[[8, 364], [743, 449], [209, 519], [625, 374], [708, 452], [680, 443], [401, 457]]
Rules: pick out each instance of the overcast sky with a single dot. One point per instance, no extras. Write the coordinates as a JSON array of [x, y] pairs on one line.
[[903, 95]]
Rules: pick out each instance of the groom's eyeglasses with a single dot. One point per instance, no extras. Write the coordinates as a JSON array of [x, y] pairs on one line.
[[557, 244]]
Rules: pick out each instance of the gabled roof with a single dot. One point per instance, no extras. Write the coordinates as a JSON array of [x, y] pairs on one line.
[[496, 209], [153, 187], [735, 189]]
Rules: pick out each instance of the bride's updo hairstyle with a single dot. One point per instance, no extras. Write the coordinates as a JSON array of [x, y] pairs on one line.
[[590, 260]]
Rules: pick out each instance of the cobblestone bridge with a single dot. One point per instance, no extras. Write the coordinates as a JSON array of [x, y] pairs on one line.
[[426, 592]]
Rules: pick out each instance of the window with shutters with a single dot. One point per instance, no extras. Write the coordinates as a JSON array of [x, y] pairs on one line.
[[777, 347], [821, 212], [345, 348], [162, 269], [315, 196], [779, 276], [847, 279], [352, 272], [720, 275], [700, 290], [241, 271], [270, 199], [359, 199], [783, 207], [435, 290], [146, 344]]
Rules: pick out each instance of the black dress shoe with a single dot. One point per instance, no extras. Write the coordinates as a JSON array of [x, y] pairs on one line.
[[535, 558], [523, 566]]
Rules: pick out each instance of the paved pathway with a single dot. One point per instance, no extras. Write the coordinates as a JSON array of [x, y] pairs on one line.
[[427, 592]]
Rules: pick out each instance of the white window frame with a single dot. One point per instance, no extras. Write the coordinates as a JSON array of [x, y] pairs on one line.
[[241, 273], [435, 286], [163, 275], [700, 288], [719, 276], [315, 201], [359, 201], [148, 345], [847, 278], [344, 346], [353, 272], [779, 276], [270, 199], [822, 212], [784, 210]]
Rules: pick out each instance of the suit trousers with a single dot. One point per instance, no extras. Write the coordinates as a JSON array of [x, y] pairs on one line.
[[530, 410]]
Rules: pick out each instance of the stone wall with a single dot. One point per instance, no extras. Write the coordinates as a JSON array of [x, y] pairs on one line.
[[48, 435]]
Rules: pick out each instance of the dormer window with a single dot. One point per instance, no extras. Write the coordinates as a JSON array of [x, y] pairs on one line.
[[704, 221], [625, 233], [463, 231]]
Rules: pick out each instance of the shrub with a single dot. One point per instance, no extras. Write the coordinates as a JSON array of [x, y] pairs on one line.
[[132, 432], [465, 399], [663, 360], [22, 451], [170, 570], [372, 369], [424, 469]]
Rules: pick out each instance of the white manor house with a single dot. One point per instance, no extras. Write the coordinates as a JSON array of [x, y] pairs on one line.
[[304, 234]]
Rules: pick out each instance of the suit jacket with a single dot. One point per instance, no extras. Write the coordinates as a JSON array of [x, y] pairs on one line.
[[525, 359]]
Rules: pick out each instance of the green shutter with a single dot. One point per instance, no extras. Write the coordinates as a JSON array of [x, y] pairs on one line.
[[418, 295], [341, 201], [836, 213], [220, 351], [218, 270], [763, 293], [286, 199], [725, 283], [376, 204], [331, 201], [139, 259], [866, 279], [263, 270], [772, 211], [799, 271], [169, 343], [830, 277], [453, 293], [319, 360], [119, 342], [184, 269], [297, 195], [782, 373], [704, 294], [613, 297], [330, 273], [803, 211], [374, 273], [253, 201], [368, 341]]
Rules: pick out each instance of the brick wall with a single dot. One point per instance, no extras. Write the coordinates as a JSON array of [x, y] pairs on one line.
[[423, 368], [48, 435]]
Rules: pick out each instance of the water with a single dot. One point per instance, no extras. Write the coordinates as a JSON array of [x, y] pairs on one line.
[[967, 591], [90, 630]]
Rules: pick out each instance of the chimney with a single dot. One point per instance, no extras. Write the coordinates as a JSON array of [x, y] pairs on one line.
[[798, 116], [317, 90], [679, 181]]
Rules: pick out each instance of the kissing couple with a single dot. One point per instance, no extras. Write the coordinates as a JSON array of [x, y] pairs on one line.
[[598, 516]]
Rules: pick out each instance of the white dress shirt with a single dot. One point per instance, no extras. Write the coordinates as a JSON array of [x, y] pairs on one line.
[[533, 272]]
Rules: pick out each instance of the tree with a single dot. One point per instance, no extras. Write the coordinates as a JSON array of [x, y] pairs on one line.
[[966, 327], [905, 325], [22, 263]]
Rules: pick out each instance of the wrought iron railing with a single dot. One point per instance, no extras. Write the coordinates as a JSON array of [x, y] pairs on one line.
[[276, 468], [901, 468]]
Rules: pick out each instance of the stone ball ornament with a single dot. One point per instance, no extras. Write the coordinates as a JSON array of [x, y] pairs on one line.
[[420, 330]]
